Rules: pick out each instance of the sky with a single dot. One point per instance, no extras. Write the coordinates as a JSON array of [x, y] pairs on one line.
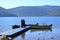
[[16, 3]]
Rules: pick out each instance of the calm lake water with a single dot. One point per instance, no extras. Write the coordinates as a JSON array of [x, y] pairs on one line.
[[33, 34]]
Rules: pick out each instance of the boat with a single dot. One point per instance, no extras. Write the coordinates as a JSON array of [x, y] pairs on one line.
[[41, 26], [15, 26]]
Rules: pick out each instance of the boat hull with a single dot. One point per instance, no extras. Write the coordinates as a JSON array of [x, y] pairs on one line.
[[42, 27]]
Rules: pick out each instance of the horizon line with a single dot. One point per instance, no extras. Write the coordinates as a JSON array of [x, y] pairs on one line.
[[29, 6]]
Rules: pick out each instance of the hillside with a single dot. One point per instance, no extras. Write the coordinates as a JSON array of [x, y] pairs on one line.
[[36, 11], [32, 11], [5, 13]]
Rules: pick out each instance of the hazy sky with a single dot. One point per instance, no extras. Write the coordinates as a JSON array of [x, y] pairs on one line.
[[16, 3]]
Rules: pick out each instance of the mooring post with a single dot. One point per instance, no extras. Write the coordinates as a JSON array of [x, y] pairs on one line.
[[22, 23]]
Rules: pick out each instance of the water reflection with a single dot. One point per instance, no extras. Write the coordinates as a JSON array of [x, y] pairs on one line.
[[23, 35], [40, 34], [34, 30]]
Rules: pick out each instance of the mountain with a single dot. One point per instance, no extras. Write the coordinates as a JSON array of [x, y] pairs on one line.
[[36, 10], [32, 11], [55, 13], [5, 13]]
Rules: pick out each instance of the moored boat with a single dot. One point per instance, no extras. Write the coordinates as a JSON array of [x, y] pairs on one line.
[[42, 26], [15, 26]]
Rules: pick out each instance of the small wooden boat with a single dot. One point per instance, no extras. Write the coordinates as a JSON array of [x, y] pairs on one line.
[[15, 26], [41, 26]]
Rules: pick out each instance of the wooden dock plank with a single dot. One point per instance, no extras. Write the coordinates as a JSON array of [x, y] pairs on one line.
[[11, 31], [14, 32]]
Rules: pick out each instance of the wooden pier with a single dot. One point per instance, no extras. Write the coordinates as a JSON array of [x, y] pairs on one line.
[[14, 32]]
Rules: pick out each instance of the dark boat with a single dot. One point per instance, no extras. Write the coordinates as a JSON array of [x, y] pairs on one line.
[[15, 26], [41, 26]]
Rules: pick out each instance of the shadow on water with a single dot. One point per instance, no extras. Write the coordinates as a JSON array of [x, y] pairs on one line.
[[22, 36]]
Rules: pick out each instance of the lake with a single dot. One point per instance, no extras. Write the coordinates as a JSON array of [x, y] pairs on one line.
[[33, 34]]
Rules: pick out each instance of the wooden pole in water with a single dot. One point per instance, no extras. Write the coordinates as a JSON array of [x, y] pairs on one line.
[[22, 23]]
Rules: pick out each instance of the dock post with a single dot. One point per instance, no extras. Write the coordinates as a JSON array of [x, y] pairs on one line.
[[22, 23]]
